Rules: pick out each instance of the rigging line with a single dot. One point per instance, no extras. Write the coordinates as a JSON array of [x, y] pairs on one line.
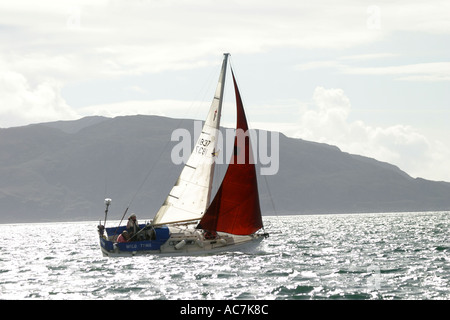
[[205, 90], [147, 176], [200, 99], [115, 231], [252, 132], [270, 195], [153, 166], [180, 120], [249, 123]]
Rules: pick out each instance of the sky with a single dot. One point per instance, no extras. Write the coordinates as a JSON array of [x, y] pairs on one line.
[[370, 77]]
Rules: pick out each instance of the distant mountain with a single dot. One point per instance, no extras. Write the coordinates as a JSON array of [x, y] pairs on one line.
[[62, 171]]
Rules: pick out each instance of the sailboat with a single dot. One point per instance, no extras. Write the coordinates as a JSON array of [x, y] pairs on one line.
[[189, 222]]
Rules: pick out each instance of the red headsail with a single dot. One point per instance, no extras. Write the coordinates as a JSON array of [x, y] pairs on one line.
[[235, 209]]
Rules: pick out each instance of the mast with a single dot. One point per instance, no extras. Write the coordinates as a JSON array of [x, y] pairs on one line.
[[191, 193], [218, 99]]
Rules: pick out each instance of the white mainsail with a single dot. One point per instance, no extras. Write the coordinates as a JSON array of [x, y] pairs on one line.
[[191, 193]]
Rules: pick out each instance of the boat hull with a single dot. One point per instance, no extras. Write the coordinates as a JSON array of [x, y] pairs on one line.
[[182, 243]]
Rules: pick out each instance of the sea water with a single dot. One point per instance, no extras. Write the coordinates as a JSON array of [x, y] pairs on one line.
[[345, 256]]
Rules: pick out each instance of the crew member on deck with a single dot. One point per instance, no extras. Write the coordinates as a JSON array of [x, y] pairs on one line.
[[132, 226], [123, 237]]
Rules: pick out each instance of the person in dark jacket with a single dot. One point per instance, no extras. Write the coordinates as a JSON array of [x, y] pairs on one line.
[[132, 227]]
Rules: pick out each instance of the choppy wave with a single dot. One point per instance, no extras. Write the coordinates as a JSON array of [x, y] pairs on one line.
[[350, 256]]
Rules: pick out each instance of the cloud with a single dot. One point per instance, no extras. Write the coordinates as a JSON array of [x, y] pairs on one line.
[[154, 107], [430, 72], [369, 56], [46, 45], [21, 103], [329, 116], [112, 38], [78, 40], [137, 89], [416, 16], [327, 120]]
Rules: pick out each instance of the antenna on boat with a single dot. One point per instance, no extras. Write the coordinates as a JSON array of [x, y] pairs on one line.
[[107, 203], [100, 227]]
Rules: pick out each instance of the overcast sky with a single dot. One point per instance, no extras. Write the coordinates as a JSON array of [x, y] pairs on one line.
[[371, 77]]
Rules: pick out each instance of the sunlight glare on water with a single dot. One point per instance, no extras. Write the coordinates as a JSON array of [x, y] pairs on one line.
[[348, 256]]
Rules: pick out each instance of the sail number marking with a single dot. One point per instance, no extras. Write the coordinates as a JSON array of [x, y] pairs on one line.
[[202, 146]]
